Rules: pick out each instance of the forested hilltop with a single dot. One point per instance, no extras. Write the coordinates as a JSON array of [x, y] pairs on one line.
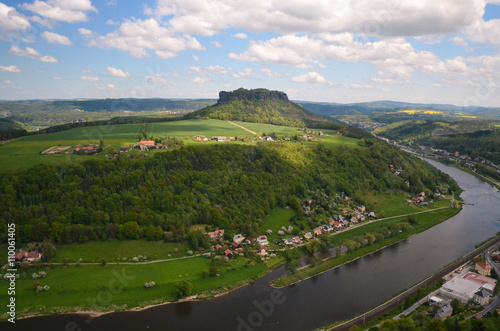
[[259, 106], [226, 186]]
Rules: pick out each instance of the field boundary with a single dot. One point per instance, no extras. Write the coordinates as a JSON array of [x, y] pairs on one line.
[[241, 127]]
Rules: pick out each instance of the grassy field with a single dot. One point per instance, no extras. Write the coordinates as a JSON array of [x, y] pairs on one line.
[[114, 287], [275, 220], [114, 250], [26, 151]]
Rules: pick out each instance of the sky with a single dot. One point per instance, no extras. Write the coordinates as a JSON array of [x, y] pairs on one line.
[[346, 51]]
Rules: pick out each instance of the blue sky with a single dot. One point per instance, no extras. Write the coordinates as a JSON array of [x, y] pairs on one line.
[[444, 51]]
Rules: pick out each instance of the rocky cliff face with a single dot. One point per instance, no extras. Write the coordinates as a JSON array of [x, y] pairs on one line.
[[257, 94]]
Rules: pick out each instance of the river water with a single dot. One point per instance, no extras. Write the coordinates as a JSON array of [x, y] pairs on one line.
[[335, 295]]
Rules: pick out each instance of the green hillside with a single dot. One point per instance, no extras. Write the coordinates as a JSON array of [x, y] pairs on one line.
[[259, 106]]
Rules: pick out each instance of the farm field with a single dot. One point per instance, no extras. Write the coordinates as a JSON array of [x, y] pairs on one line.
[[26, 151]]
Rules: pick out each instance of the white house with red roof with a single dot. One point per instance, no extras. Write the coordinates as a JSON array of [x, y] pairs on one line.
[[262, 240]]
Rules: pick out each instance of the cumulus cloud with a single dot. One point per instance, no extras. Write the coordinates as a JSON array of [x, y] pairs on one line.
[[84, 32], [30, 53], [138, 36], [90, 78], [11, 68], [117, 72], [11, 20], [61, 10], [311, 77], [245, 73], [156, 79], [210, 70], [240, 35], [217, 44], [369, 17], [55, 38], [9, 82]]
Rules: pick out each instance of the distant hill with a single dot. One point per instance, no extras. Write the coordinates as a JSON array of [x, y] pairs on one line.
[[92, 105], [259, 106], [372, 108]]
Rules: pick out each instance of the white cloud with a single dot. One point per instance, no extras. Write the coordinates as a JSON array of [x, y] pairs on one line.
[[240, 35], [311, 77], [268, 73], [245, 73], [210, 70], [90, 78], [486, 32], [61, 10], [55, 38], [11, 20], [112, 22], [156, 79], [30, 53], [117, 72], [196, 59], [9, 82], [84, 32], [49, 59], [138, 36], [11, 68], [217, 44], [87, 71], [369, 17], [197, 80], [56, 78], [109, 87]]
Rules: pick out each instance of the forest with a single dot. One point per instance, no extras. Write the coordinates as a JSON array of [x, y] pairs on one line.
[[225, 186]]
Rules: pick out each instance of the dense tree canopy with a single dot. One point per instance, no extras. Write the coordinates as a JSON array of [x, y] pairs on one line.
[[228, 186]]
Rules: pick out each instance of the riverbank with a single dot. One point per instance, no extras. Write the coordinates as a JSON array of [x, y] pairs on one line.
[[424, 222]]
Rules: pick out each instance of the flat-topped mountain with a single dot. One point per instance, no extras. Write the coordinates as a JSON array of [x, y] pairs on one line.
[[258, 106], [256, 94]]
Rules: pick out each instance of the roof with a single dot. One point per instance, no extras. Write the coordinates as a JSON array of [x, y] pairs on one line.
[[263, 248], [483, 265], [33, 255], [146, 142], [263, 237], [228, 252], [19, 256], [460, 285], [88, 148], [483, 293], [479, 279], [446, 309]]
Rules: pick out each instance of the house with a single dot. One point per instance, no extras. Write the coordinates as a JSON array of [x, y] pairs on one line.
[[145, 144], [326, 228], [337, 225], [354, 219], [308, 235], [238, 238], [262, 240], [32, 256], [317, 231], [344, 222], [483, 269], [250, 240], [361, 208], [216, 234], [444, 312], [228, 254], [296, 240], [19, 257], [372, 214], [219, 138], [236, 246], [482, 297], [217, 247], [263, 251], [288, 241]]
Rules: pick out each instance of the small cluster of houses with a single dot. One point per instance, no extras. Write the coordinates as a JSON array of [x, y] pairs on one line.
[[338, 222], [239, 241], [393, 169], [145, 145], [91, 149], [418, 199], [28, 256]]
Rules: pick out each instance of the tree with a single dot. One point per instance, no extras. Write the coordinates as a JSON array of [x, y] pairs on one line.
[[48, 249], [184, 288], [131, 230]]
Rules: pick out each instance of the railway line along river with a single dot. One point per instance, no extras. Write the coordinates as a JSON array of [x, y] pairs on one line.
[[336, 295]]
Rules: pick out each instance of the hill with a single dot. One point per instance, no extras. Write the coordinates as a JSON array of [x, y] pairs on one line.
[[259, 106]]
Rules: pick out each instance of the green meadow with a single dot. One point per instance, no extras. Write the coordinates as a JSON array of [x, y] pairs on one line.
[[26, 151]]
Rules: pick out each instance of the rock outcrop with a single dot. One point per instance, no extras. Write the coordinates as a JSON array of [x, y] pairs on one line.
[[257, 94]]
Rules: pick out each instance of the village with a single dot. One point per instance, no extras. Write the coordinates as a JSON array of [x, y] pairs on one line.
[[469, 291]]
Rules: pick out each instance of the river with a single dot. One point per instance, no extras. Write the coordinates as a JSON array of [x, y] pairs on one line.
[[338, 294]]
